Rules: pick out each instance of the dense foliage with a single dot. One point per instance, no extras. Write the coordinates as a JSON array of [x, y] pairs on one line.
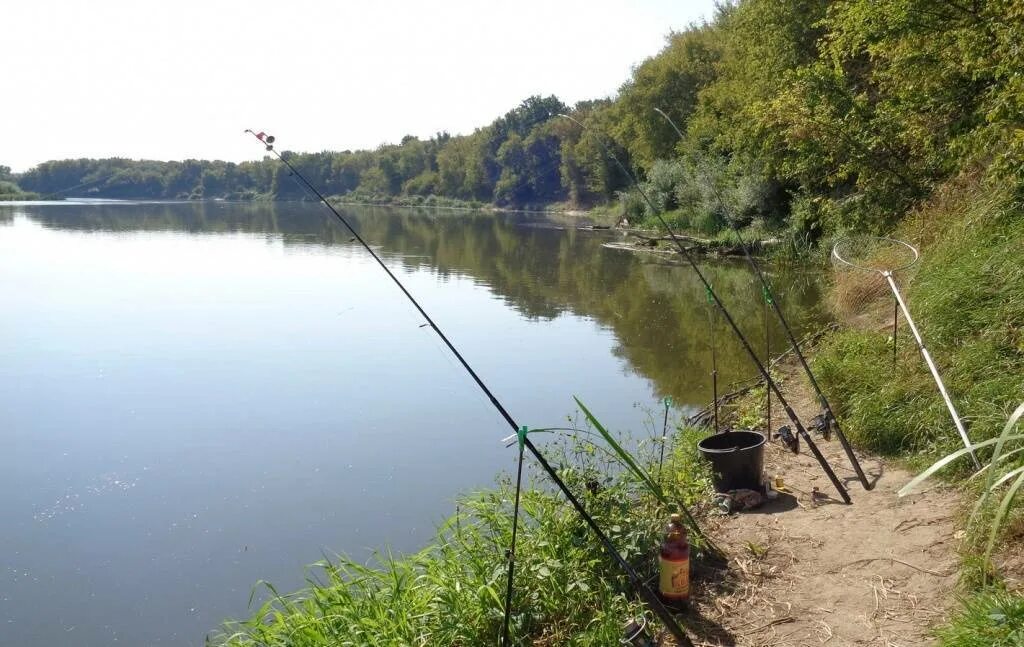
[[820, 115], [9, 190]]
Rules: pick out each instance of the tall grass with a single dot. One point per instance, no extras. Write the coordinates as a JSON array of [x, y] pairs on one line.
[[567, 591], [1004, 467], [967, 297]]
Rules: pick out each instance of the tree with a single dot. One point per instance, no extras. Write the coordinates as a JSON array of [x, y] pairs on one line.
[[670, 81]]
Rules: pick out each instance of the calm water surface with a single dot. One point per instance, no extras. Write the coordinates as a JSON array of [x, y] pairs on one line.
[[194, 397]]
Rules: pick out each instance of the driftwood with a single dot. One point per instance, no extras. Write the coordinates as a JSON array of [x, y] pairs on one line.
[[688, 239], [706, 416], [697, 245]]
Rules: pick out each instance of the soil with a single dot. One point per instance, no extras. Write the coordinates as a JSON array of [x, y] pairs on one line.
[[808, 570]]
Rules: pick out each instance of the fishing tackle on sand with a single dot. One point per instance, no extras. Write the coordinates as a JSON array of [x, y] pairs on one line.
[[636, 581], [830, 418], [732, 324]]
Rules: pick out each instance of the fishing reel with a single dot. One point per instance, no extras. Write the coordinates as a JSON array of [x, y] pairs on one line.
[[821, 424], [788, 438], [268, 140]]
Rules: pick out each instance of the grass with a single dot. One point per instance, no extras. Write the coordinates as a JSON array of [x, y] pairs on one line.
[[451, 593], [967, 297], [986, 619]]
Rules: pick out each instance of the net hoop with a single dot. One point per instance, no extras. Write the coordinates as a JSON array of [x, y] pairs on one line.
[[895, 241]]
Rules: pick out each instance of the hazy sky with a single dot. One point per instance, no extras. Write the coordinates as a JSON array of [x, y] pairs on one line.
[[176, 79]]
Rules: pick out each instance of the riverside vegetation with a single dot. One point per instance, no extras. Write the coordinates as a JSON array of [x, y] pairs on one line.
[[968, 299], [9, 190], [451, 593]]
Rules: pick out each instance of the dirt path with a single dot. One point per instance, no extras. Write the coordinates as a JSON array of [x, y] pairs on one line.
[[807, 571]]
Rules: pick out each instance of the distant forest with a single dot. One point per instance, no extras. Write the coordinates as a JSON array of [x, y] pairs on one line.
[[809, 114]]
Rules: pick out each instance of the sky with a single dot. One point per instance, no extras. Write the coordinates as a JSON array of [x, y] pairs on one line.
[[183, 79]]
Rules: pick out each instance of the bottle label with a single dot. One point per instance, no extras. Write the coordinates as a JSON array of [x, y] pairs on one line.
[[675, 578]]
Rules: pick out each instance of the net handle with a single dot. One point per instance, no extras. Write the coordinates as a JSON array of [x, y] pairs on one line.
[[913, 250]]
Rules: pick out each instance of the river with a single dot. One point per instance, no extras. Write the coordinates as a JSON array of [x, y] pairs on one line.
[[198, 396]]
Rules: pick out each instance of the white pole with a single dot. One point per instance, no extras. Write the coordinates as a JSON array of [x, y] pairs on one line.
[[931, 366]]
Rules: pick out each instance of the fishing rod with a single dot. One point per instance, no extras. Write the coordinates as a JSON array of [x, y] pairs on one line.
[[732, 324], [714, 358], [525, 443], [767, 354], [830, 417], [53, 194]]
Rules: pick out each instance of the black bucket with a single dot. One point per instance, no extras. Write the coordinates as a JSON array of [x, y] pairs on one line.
[[737, 459]]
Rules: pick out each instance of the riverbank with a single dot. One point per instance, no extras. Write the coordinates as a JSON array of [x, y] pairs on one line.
[[451, 592], [915, 569], [967, 295]]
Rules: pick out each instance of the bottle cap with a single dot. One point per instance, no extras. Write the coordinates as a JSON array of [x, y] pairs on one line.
[[676, 517]]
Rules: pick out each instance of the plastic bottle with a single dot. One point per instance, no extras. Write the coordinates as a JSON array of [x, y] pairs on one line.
[[674, 566]]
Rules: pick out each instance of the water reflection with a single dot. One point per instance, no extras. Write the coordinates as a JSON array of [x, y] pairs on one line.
[[658, 311]]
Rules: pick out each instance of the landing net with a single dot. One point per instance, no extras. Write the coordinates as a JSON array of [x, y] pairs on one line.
[[861, 263]]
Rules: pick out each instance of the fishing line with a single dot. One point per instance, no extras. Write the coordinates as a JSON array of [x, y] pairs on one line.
[[732, 323], [637, 582], [830, 417]]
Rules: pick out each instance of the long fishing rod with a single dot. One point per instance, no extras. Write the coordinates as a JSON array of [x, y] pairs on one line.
[[642, 588], [793, 343], [54, 194], [732, 323], [714, 358]]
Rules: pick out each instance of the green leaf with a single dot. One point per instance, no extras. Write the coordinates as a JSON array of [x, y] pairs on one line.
[[625, 457], [946, 460], [1003, 438], [1004, 509]]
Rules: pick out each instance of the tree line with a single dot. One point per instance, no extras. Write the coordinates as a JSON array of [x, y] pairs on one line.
[[813, 114]]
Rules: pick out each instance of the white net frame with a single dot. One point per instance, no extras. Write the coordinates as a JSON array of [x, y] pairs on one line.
[[846, 250]]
